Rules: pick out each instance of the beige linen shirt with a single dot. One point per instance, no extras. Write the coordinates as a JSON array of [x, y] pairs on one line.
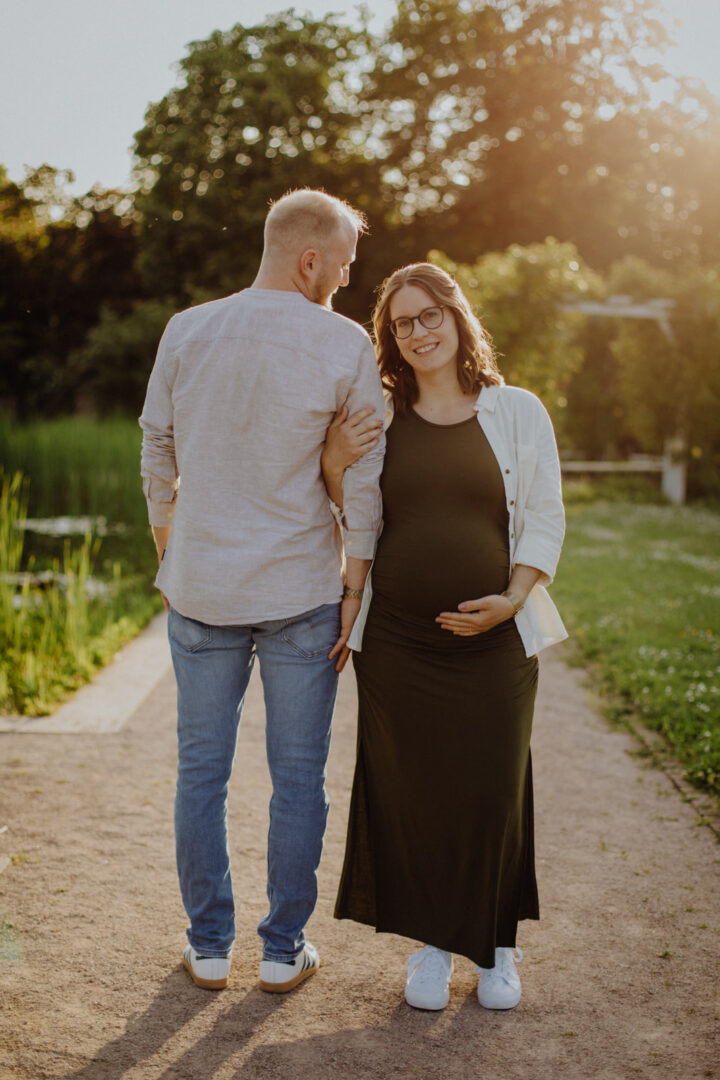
[[238, 404]]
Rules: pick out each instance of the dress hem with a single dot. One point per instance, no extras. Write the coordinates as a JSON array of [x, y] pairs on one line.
[[446, 945]]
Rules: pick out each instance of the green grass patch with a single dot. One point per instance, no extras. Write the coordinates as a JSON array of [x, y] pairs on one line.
[[639, 589]]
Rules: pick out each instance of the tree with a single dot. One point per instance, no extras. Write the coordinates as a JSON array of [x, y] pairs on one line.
[[474, 124], [514, 122], [518, 295], [486, 122], [60, 259], [259, 110], [597, 424], [673, 386], [114, 364]]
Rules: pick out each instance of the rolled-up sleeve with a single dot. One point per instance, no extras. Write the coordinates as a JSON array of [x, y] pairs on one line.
[[544, 516], [158, 465], [362, 505]]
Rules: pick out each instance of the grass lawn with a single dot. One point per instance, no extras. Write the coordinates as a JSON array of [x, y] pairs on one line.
[[639, 589]]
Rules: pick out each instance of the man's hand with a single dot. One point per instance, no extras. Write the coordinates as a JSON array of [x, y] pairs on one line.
[[349, 610], [477, 616]]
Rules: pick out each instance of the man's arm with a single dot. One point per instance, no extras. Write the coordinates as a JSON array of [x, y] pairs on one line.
[[361, 502], [161, 536], [356, 571], [158, 465], [358, 492]]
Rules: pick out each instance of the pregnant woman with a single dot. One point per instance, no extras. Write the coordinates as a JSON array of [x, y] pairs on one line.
[[440, 840]]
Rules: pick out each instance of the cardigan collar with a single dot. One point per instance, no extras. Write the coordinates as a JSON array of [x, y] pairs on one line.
[[487, 398]]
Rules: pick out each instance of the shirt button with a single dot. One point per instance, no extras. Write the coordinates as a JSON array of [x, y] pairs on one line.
[[507, 470], [512, 502], [512, 536]]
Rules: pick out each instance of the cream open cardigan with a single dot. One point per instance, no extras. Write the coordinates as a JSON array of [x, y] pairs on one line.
[[521, 436]]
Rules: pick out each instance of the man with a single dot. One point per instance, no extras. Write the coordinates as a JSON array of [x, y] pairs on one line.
[[238, 404]]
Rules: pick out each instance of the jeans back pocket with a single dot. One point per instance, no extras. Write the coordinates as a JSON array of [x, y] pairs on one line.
[[313, 633], [189, 634]]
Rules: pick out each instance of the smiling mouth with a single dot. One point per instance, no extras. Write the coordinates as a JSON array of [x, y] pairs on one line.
[[423, 349]]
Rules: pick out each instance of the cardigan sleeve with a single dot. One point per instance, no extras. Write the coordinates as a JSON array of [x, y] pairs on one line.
[[543, 528]]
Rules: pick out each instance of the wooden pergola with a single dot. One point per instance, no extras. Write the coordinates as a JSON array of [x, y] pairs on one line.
[[672, 463]]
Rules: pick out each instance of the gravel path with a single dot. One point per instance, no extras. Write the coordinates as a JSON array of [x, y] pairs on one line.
[[620, 976]]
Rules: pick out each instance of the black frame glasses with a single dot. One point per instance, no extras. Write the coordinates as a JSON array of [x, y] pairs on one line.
[[407, 322]]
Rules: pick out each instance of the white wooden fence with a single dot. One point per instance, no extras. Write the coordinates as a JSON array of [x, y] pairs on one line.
[[671, 465]]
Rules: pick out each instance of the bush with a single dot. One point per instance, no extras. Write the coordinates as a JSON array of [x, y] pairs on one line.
[[113, 366]]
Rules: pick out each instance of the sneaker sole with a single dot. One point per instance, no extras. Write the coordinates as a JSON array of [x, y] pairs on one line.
[[282, 988], [500, 1008], [205, 984], [426, 1008]]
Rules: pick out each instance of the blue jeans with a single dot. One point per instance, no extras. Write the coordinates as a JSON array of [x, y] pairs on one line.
[[212, 667]]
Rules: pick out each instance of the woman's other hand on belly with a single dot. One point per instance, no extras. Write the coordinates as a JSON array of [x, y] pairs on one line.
[[477, 616]]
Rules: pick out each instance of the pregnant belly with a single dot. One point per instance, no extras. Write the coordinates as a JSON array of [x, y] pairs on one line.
[[425, 581]]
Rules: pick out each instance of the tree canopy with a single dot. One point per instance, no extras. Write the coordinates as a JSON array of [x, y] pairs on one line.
[[259, 110], [491, 122], [478, 127]]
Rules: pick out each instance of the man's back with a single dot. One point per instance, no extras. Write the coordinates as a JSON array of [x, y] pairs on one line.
[[240, 400]]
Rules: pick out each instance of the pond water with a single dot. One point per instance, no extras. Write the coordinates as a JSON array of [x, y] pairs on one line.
[[71, 526]]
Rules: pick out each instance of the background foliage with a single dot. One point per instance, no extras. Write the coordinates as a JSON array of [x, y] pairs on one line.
[[522, 295], [478, 127]]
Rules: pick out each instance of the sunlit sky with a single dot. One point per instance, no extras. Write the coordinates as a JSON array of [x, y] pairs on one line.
[[76, 76]]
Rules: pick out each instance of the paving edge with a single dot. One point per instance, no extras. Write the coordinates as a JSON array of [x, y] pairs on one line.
[[104, 705]]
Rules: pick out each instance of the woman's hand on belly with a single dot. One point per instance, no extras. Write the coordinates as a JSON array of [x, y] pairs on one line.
[[477, 616]]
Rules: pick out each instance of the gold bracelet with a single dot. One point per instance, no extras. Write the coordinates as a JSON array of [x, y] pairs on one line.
[[352, 594], [516, 602]]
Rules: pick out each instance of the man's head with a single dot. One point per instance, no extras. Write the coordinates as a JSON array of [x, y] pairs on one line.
[[310, 238]]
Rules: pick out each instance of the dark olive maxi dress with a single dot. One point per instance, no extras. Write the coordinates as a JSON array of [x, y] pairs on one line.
[[440, 837]]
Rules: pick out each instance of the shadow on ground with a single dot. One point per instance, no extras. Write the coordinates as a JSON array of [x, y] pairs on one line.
[[176, 1006]]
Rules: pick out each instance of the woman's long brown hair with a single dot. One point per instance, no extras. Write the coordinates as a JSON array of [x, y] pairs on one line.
[[476, 363]]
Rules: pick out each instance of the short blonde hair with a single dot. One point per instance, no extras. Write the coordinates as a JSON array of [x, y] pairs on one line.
[[308, 218]]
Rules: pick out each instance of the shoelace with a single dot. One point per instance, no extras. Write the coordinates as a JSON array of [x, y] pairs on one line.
[[433, 964]]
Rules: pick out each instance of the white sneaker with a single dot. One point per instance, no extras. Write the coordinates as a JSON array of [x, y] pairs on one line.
[[499, 987], [279, 976], [210, 972], [428, 981]]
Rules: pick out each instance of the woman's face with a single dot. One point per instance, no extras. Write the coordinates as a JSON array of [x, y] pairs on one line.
[[426, 351]]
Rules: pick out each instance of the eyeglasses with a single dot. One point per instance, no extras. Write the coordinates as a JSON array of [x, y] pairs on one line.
[[430, 317]]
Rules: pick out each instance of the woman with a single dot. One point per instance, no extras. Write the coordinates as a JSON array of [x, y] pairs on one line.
[[440, 841]]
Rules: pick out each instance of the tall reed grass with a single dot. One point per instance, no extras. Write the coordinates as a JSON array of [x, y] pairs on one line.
[[78, 465]]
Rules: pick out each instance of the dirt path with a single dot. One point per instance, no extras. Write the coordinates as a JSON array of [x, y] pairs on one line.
[[620, 977]]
